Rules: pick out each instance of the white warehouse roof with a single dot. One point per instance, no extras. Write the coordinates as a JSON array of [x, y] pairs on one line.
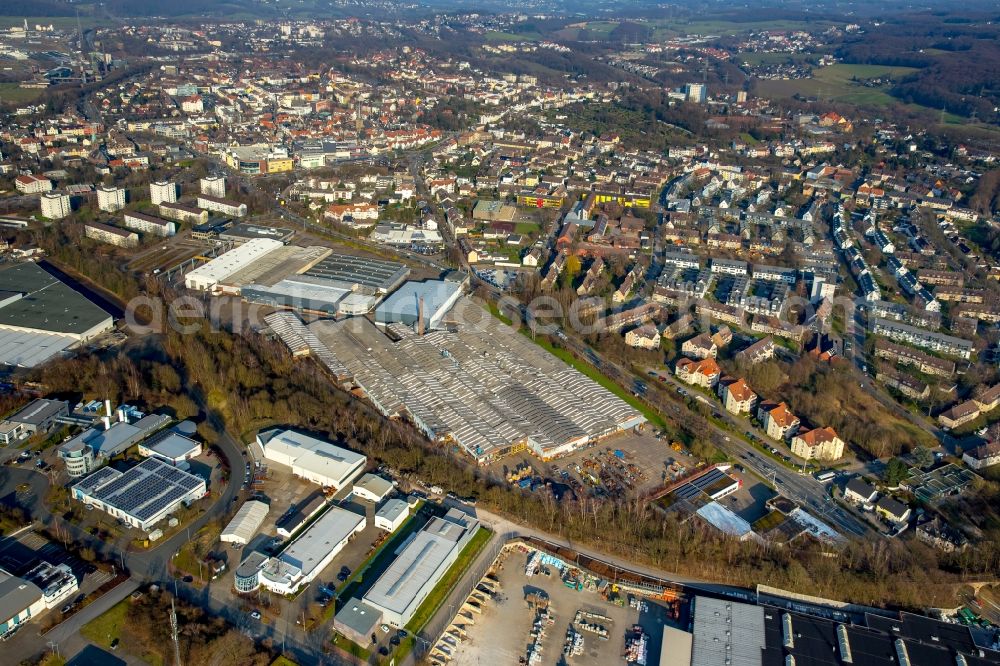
[[245, 523], [207, 276], [313, 459]]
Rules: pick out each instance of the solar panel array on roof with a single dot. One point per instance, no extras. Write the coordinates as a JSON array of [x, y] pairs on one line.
[[147, 490]]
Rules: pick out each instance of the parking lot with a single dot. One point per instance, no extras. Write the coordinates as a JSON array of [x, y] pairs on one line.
[[502, 634], [750, 501]]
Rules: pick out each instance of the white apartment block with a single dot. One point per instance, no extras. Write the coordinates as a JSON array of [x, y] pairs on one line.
[[729, 267], [55, 205], [213, 186], [224, 206], [162, 191], [110, 199], [939, 342], [149, 225]]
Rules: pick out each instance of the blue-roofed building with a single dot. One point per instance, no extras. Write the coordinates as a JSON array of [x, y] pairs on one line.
[[403, 306]]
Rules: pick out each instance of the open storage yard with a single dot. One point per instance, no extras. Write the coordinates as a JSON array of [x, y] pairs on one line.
[[626, 464], [538, 610]]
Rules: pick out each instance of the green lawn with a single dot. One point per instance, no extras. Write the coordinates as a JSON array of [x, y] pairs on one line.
[[527, 228], [351, 648], [105, 628], [12, 93], [834, 84]]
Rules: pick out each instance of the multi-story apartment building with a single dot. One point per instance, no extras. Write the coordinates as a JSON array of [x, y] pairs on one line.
[[939, 342], [162, 191], [111, 235], [55, 205], [110, 199], [818, 444]]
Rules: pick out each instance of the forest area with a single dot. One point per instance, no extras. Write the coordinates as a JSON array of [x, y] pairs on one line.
[[958, 61]]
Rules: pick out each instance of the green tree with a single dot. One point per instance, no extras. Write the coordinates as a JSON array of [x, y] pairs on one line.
[[923, 457], [895, 471]]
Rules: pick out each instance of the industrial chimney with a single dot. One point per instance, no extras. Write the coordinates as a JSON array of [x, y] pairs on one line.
[[420, 316]]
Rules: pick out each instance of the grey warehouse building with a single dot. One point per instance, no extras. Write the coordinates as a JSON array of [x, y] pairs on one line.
[[37, 416], [403, 307], [40, 316]]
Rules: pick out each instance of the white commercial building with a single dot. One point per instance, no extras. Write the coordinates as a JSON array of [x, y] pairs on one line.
[[25, 598], [245, 523], [392, 514], [400, 590], [142, 496], [314, 550], [162, 191], [213, 186], [372, 488], [110, 199], [148, 224], [207, 276], [55, 205], [312, 459], [171, 447]]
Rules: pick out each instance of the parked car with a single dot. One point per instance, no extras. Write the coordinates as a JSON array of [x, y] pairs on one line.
[[255, 615]]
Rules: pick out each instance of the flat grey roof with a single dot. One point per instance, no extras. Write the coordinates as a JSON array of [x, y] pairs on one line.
[[402, 306], [310, 547], [47, 304], [39, 411], [16, 594], [359, 617], [364, 271], [170, 444], [727, 632], [411, 571], [392, 509], [374, 484]]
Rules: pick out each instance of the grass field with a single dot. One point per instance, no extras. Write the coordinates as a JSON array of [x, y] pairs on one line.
[[667, 28], [834, 84], [12, 93], [105, 628]]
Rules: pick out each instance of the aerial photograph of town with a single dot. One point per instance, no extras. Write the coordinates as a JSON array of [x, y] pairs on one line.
[[480, 333]]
